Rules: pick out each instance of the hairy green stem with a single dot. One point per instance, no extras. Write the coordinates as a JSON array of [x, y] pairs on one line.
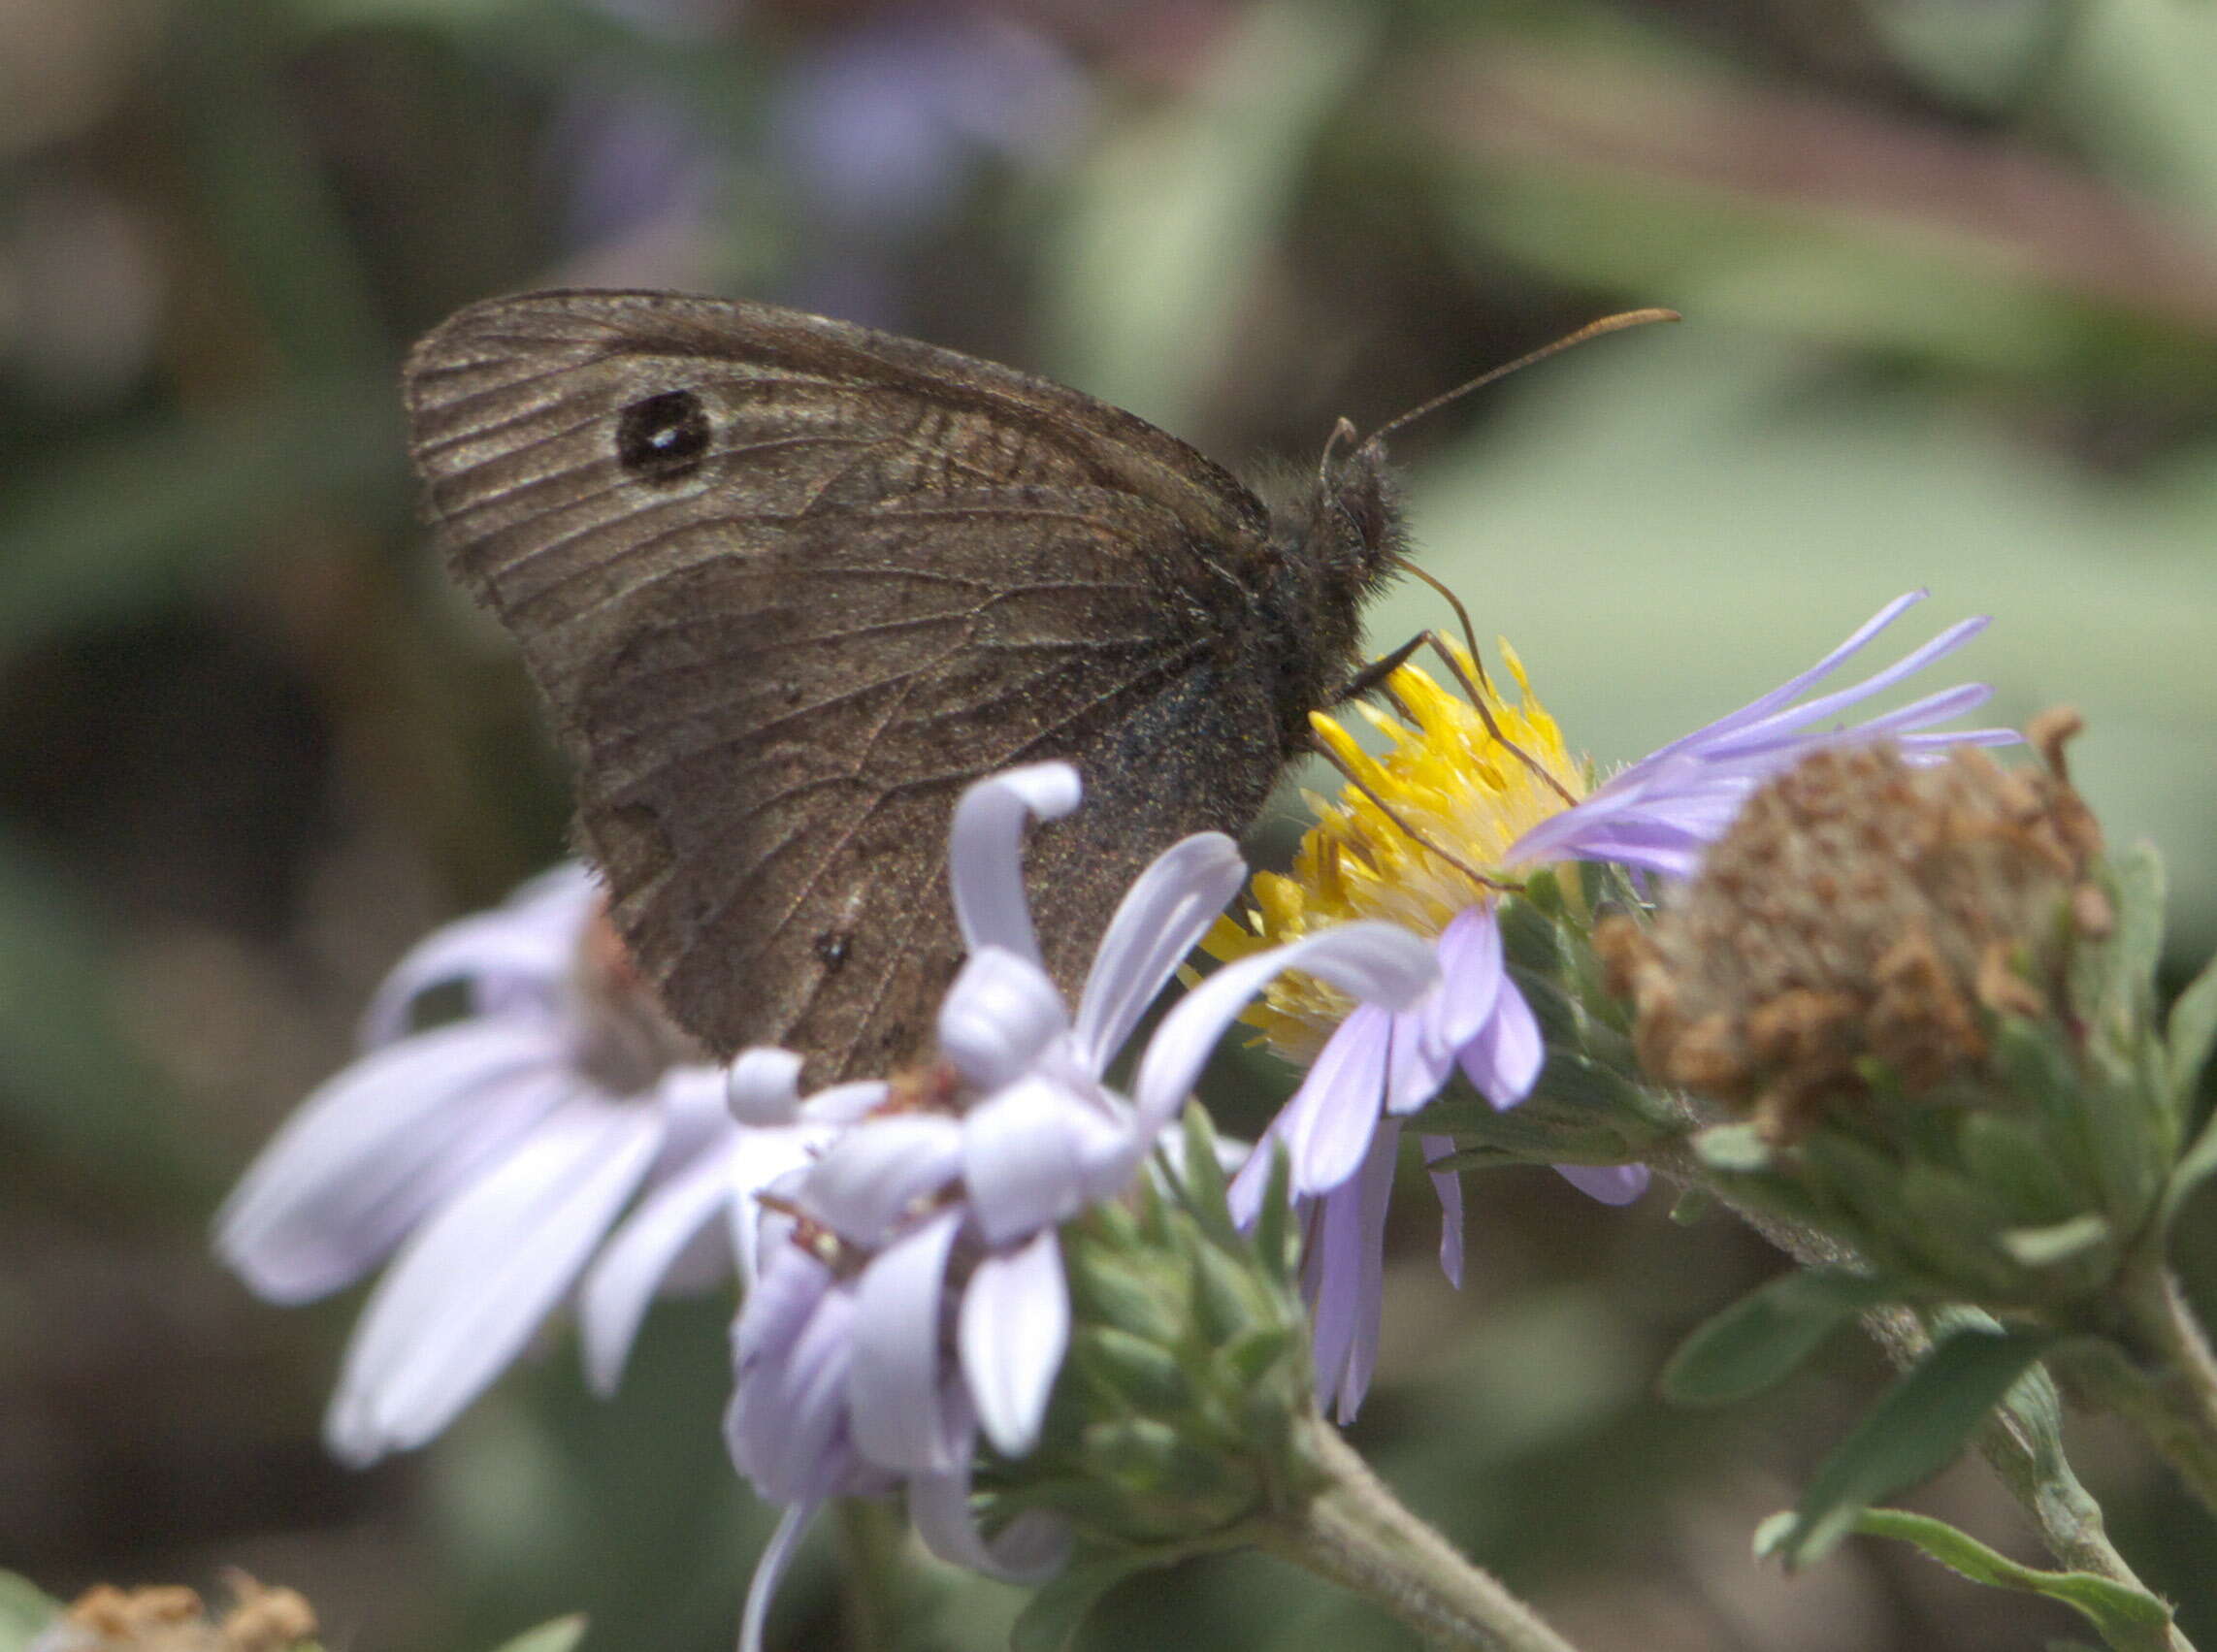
[[1355, 1533], [2160, 1376], [2024, 1456]]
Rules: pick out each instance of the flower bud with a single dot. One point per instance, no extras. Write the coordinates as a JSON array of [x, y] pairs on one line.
[[1176, 1419]]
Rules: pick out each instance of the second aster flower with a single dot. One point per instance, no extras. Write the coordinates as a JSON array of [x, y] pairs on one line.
[[912, 1292]]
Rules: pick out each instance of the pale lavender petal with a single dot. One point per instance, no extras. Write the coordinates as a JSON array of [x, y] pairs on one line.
[[1014, 1329], [1763, 731], [787, 1426], [1252, 1179], [1449, 1186], [893, 1387], [1659, 815], [1470, 976], [1333, 1116], [770, 1571], [997, 1017], [1611, 1183], [985, 861], [1032, 1155], [1502, 1061], [638, 1260], [785, 1295], [764, 1086], [870, 1177], [380, 1146], [1372, 963], [1416, 1063], [1346, 1271], [514, 957], [1161, 919], [1029, 1549], [460, 1300], [1765, 704]]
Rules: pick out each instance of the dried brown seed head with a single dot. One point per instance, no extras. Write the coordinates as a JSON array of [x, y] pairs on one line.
[[1862, 907]]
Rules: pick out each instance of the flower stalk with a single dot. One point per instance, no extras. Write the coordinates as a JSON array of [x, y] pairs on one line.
[[1355, 1531], [2157, 1372]]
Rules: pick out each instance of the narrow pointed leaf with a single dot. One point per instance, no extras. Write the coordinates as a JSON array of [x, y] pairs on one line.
[[1915, 1429], [2128, 1619], [1765, 1335]]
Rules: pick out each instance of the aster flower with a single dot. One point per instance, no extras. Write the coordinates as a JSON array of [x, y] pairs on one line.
[[937, 1204], [487, 1157], [1430, 836]]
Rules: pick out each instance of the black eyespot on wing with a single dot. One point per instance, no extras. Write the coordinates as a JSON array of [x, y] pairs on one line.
[[665, 438]]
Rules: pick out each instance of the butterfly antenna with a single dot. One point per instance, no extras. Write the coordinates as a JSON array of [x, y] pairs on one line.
[[1478, 699], [1469, 635], [1496, 885], [1618, 323], [1344, 431]]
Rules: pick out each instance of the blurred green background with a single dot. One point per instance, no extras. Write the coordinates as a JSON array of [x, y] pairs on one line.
[[1949, 269]]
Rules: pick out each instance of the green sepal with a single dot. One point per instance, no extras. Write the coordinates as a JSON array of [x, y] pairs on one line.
[[1131, 1371], [1276, 1241], [26, 1612], [2012, 1154], [1766, 1334], [1225, 1302], [557, 1635], [1111, 1287], [2189, 1035], [1202, 1176], [2113, 983], [1913, 1432], [2128, 1619]]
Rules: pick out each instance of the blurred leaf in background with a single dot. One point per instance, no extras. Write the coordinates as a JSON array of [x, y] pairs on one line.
[[1950, 274]]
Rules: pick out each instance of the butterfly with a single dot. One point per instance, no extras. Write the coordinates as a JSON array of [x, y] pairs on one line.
[[790, 585]]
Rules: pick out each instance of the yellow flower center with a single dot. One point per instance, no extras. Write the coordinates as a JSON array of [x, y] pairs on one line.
[[1445, 799]]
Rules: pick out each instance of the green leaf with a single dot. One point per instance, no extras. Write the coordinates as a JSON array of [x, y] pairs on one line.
[[1912, 1432], [2128, 1619], [558, 1635], [1163, 228], [2191, 1034], [25, 1610], [1765, 1335], [1051, 1619]]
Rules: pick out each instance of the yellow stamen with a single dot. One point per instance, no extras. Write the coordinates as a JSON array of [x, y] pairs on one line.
[[1442, 778]]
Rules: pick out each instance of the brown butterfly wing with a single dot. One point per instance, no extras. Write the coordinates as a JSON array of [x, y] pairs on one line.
[[868, 573]]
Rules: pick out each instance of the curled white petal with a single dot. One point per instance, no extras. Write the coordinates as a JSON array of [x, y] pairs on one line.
[[1372, 963], [870, 1177], [770, 1571], [1030, 1549], [998, 1016], [1158, 922], [985, 861], [518, 953], [764, 1086]]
